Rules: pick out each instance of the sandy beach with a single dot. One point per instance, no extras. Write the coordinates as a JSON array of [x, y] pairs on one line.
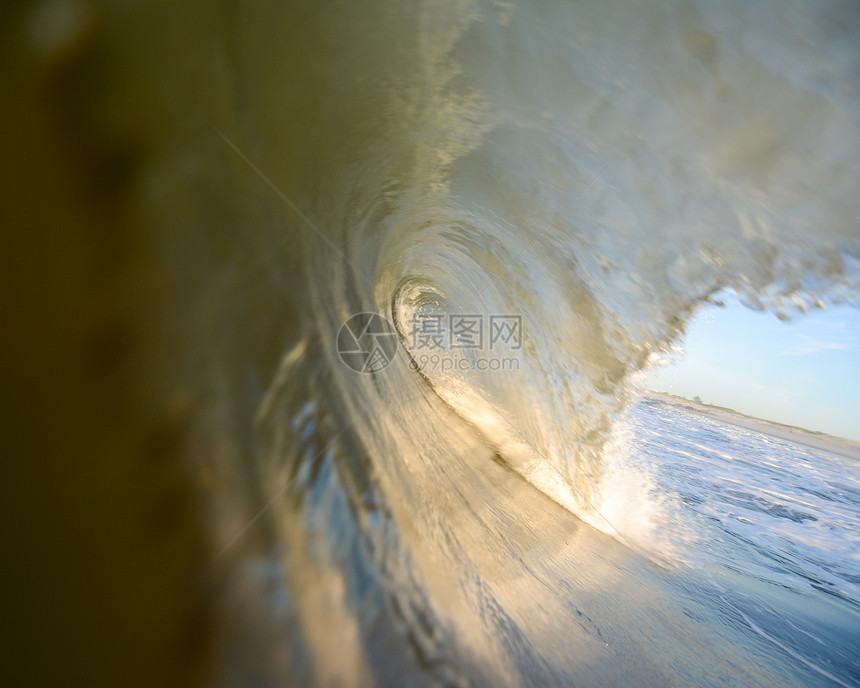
[[836, 445]]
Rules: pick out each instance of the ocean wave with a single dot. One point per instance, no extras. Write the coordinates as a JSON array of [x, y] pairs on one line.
[[563, 185]]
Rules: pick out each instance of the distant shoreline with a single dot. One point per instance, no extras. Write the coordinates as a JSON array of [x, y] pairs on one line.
[[816, 440]]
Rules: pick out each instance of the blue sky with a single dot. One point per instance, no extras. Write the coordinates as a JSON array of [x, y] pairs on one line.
[[803, 372]]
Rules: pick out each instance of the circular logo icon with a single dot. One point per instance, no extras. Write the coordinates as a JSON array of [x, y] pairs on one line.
[[367, 342]]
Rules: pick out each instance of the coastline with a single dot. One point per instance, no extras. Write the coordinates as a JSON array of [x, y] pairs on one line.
[[835, 445]]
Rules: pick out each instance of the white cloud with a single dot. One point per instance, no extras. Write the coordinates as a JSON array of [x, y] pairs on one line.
[[807, 344]]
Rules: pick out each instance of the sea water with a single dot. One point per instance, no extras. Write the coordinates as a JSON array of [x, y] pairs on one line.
[[586, 176], [771, 526], [582, 178]]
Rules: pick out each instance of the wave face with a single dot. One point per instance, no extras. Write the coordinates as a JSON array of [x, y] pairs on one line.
[[597, 170], [598, 173]]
